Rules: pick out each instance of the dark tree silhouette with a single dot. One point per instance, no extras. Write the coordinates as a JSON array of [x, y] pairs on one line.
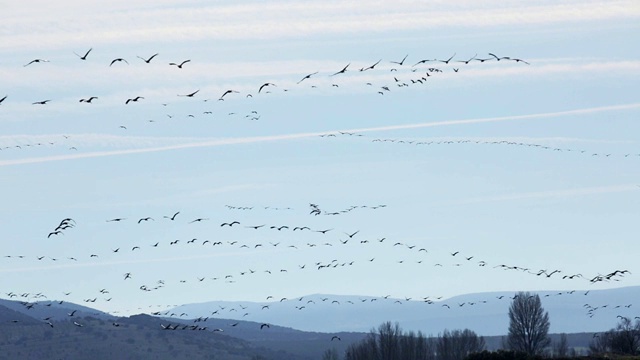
[[389, 342], [561, 348], [528, 324], [458, 344], [623, 340]]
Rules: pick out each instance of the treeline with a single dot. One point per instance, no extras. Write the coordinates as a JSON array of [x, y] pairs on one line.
[[389, 342], [624, 339]]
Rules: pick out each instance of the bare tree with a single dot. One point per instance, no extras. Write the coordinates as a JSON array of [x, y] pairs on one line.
[[528, 324], [624, 339], [458, 344], [330, 354], [561, 348], [389, 342]]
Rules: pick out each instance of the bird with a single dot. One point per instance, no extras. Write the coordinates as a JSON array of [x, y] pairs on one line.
[[172, 217], [468, 61], [400, 62], [227, 92], [191, 94], [118, 60], [57, 232], [371, 67], [352, 235], [84, 57], [149, 59], [88, 100], [229, 224], [499, 58], [449, 59], [344, 69], [135, 99], [335, 337], [307, 77], [265, 85], [116, 220], [43, 102], [180, 65], [198, 220], [264, 325], [36, 61], [145, 219]]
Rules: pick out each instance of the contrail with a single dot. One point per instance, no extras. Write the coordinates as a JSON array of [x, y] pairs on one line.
[[258, 139]]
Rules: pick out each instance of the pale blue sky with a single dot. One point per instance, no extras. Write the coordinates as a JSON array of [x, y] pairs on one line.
[[503, 204]]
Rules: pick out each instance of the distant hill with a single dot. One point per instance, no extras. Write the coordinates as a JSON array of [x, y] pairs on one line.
[[53, 309], [137, 337], [485, 313]]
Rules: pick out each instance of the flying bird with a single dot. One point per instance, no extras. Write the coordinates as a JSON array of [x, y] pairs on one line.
[[449, 59], [172, 217], [89, 100], [36, 61], [227, 92], [135, 99], [149, 59], [84, 57], [265, 85], [400, 62], [119, 60], [198, 220], [371, 67], [190, 95], [43, 102], [180, 65], [307, 77], [344, 69]]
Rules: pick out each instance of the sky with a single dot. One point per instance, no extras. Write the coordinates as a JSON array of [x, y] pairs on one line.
[[532, 163]]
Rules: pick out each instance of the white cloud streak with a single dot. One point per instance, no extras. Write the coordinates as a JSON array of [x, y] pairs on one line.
[[284, 137], [53, 25], [555, 194]]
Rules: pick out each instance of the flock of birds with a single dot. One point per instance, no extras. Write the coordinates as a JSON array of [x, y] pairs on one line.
[[327, 237], [404, 75]]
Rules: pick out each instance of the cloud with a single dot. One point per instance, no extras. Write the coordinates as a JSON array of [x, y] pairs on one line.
[[56, 26], [271, 138], [555, 194]]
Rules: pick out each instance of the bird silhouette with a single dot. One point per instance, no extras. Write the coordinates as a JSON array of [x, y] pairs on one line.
[[118, 60], [35, 61], [83, 57], [400, 62], [191, 94], [181, 64], [88, 100], [149, 59], [306, 77], [135, 99], [172, 218], [344, 69]]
